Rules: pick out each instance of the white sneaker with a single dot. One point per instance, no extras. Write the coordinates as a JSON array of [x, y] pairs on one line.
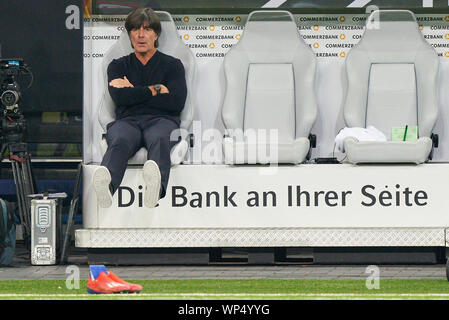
[[152, 178], [101, 180]]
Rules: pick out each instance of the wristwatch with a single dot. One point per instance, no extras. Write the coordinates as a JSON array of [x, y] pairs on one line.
[[157, 87]]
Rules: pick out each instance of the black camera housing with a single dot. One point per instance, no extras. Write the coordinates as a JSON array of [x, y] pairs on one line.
[[13, 124]]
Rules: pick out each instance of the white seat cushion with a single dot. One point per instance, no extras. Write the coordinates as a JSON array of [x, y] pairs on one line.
[[388, 152], [177, 153], [270, 100], [244, 152], [391, 97]]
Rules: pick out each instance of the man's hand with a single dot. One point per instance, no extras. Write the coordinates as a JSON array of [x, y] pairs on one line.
[[121, 83], [164, 89]]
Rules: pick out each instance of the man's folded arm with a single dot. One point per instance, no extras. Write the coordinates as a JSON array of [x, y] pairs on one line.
[[125, 96], [129, 96], [176, 84]]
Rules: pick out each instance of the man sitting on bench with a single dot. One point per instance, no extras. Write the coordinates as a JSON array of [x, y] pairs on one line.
[[149, 90]]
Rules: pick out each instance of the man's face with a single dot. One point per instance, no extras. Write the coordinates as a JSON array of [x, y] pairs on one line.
[[143, 39]]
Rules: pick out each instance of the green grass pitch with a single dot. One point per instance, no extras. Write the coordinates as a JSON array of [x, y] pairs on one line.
[[234, 289]]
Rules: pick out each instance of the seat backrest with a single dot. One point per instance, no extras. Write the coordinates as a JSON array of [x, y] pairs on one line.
[[270, 75], [169, 43], [392, 74]]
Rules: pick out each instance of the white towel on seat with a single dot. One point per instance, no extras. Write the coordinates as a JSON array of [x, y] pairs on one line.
[[369, 133]]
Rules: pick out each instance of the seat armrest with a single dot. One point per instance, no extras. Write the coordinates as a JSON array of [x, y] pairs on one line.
[[435, 142], [435, 139], [191, 140], [312, 139]]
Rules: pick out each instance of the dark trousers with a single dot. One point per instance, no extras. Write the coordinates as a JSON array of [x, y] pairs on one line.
[[126, 136]]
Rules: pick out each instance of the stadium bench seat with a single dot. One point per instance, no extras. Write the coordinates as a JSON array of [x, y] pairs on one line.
[[391, 82], [270, 75]]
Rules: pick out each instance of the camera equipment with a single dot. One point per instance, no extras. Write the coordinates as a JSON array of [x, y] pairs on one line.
[[13, 124], [12, 129]]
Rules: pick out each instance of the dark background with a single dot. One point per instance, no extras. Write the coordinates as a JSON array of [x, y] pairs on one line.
[[36, 31]]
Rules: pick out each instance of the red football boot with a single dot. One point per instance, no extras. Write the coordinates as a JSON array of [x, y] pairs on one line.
[[133, 288], [104, 285]]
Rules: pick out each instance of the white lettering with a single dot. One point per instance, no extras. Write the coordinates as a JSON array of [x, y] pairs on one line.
[[73, 20]]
